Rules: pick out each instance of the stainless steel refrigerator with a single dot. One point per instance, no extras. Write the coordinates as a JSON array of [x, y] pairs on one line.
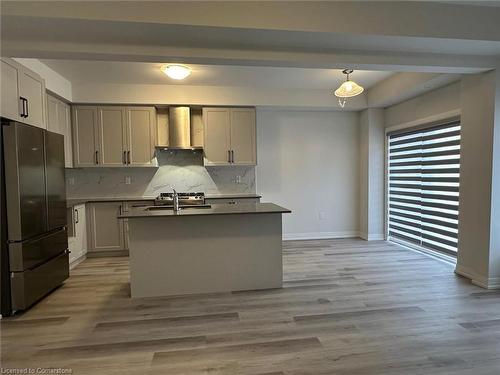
[[35, 253]]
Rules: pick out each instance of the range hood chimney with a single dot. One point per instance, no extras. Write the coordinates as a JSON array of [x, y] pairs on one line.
[[179, 128]]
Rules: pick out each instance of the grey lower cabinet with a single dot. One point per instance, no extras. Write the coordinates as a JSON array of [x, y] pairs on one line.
[[77, 232], [105, 230], [107, 234]]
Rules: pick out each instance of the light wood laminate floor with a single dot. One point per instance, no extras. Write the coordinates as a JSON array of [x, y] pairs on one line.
[[347, 307]]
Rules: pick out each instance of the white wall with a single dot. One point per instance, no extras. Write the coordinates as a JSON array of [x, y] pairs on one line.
[[427, 106], [372, 173], [479, 214], [308, 161], [111, 93], [53, 80]]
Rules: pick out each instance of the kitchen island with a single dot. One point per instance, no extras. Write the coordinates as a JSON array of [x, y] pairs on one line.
[[220, 248]]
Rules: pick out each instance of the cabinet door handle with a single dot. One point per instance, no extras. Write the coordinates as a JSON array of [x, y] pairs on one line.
[[124, 159], [21, 106], [97, 157], [22, 110], [229, 156], [27, 113], [232, 156], [128, 157], [77, 216]]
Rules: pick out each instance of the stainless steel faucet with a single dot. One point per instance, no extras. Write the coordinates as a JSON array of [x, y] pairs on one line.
[[176, 201]]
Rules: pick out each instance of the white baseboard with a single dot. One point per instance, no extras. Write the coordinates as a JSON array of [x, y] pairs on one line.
[[319, 235], [476, 279], [374, 237]]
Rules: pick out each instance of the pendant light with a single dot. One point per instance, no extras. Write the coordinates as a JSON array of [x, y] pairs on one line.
[[348, 89]]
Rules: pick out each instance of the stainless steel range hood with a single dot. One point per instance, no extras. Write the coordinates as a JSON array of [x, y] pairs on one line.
[[179, 128]]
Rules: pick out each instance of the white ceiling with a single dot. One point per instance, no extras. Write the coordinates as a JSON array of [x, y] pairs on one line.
[[78, 71], [411, 36]]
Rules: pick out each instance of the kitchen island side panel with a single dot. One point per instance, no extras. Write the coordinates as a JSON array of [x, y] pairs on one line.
[[205, 254]]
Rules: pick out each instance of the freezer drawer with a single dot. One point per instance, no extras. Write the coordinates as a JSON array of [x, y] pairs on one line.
[[31, 253], [29, 286]]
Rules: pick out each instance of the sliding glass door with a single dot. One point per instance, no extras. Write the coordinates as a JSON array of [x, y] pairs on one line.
[[423, 187]]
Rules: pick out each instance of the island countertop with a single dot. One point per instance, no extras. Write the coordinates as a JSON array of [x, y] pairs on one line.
[[214, 209], [73, 201]]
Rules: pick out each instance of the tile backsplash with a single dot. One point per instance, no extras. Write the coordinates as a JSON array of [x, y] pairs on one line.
[[180, 170]]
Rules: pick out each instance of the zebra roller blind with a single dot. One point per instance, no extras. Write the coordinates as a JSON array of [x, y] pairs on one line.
[[423, 186]]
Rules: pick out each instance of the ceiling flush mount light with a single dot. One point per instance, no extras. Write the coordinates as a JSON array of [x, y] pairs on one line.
[[348, 89], [176, 71]]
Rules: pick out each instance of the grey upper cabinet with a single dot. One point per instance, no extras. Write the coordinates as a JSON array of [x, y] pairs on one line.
[[115, 136], [85, 128], [10, 103], [217, 136], [111, 136], [140, 135], [32, 89], [59, 121], [23, 94], [105, 229], [229, 136], [243, 150]]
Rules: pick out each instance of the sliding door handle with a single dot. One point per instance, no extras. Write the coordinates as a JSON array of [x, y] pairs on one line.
[[77, 216], [97, 157]]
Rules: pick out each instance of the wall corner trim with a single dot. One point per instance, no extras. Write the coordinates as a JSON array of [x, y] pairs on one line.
[[476, 279], [375, 237]]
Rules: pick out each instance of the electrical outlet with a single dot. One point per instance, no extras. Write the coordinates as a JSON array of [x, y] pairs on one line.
[[322, 215], [238, 179], [71, 181], [127, 180]]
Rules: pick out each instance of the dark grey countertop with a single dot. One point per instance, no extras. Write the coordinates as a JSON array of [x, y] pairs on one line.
[[233, 196], [215, 209], [71, 202]]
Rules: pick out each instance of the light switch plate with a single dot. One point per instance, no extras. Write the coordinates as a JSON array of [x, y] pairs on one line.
[[127, 180]]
